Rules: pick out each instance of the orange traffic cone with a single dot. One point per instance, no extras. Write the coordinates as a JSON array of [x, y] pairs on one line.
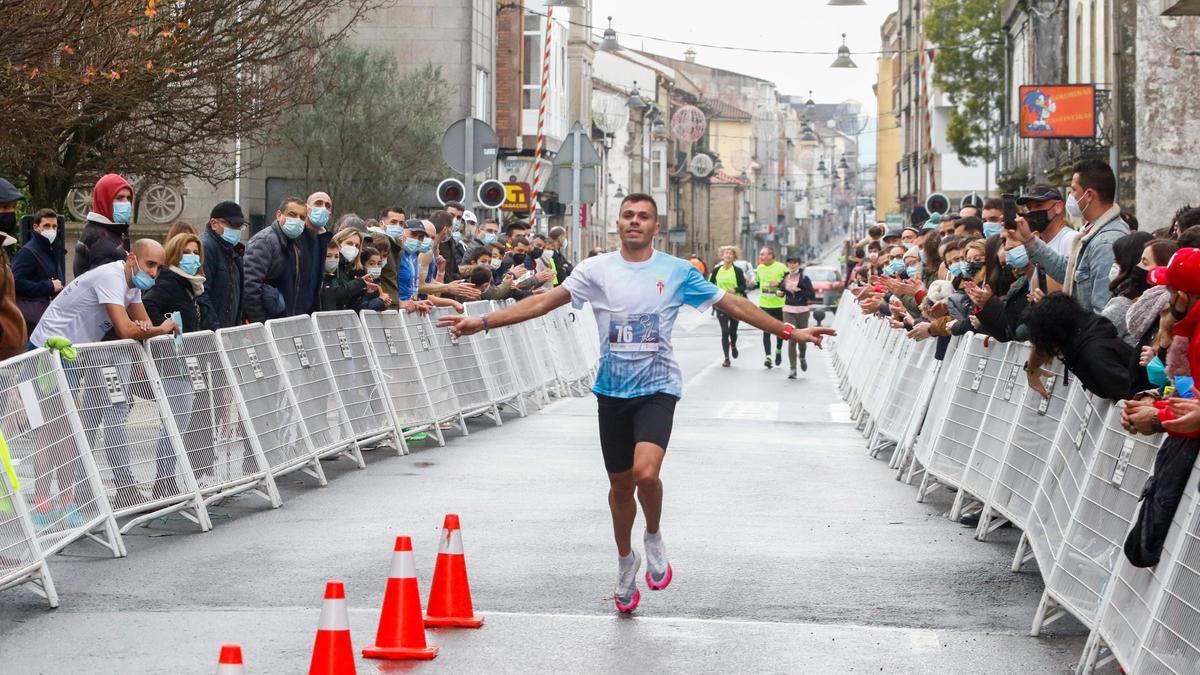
[[230, 662], [450, 596], [401, 632], [333, 654]]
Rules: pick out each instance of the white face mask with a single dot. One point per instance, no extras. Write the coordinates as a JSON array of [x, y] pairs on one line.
[[50, 235], [495, 263], [374, 272], [1074, 208], [349, 252]]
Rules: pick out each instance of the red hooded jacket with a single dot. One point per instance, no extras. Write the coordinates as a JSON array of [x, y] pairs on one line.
[[102, 241]]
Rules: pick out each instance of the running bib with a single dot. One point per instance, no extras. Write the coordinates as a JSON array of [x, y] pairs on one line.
[[633, 333]]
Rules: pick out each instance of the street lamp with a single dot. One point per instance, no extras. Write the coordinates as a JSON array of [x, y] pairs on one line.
[[843, 59], [659, 129], [609, 42], [810, 106], [635, 101], [620, 193]]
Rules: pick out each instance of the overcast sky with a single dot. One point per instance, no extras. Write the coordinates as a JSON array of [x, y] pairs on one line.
[[808, 25]]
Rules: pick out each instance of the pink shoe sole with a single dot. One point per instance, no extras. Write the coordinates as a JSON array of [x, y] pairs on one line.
[[633, 604], [665, 582]]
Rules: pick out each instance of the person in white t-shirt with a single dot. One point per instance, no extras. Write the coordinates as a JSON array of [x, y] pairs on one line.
[[104, 298], [108, 297], [636, 294]]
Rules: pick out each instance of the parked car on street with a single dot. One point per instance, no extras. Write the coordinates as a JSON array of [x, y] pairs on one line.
[[828, 284]]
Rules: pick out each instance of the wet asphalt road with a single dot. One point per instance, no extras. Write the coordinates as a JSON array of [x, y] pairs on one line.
[[793, 552]]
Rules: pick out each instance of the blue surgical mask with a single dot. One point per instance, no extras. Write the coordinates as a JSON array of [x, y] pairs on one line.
[[412, 245], [914, 272], [319, 216], [140, 278], [896, 266], [375, 272], [190, 263], [1017, 258], [957, 269], [232, 235], [489, 238], [457, 235], [991, 229], [426, 245], [293, 227], [394, 231], [122, 211]]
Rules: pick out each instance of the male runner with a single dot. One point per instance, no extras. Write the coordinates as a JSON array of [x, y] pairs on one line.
[[636, 293]]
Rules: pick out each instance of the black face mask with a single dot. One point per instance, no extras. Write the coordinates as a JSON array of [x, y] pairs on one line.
[[1038, 220], [8, 222], [972, 269], [537, 253], [518, 258]]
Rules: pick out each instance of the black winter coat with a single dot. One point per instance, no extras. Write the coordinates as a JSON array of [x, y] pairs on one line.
[[221, 302], [1100, 359], [33, 268], [100, 244], [341, 290], [271, 260], [172, 293]]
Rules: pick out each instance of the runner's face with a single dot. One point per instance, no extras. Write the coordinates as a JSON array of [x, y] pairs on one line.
[[637, 224]]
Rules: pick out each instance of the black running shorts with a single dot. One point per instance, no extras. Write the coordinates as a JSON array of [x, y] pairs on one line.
[[625, 422]]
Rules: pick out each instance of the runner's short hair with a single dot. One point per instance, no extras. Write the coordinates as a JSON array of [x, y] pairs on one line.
[[636, 197]]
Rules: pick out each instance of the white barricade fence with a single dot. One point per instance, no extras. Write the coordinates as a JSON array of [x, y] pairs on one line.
[[59, 482], [1092, 541], [267, 403], [568, 362], [935, 413], [123, 404], [971, 386], [401, 375], [894, 351], [987, 452], [900, 398], [466, 371], [1062, 481], [1031, 437], [357, 378], [435, 370], [22, 561], [1064, 471], [1133, 596], [310, 380], [200, 393], [499, 366], [529, 362]]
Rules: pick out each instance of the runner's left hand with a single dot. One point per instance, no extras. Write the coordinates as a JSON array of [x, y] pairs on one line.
[[461, 325], [812, 335]]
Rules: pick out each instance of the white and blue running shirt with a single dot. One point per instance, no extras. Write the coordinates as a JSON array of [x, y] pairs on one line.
[[635, 306]]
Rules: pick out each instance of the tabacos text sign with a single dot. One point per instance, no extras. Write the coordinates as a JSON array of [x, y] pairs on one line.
[[516, 197], [1058, 111]]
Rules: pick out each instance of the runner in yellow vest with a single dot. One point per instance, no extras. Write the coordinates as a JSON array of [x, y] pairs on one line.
[[770, 278]]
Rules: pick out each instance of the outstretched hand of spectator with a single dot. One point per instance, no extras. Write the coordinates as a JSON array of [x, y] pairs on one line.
[[1187, 416], [1146, 356], [979, 294], [919, 332], [1037, 384], [464, 289]]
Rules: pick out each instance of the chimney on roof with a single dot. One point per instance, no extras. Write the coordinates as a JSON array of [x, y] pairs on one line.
[[690, 55]]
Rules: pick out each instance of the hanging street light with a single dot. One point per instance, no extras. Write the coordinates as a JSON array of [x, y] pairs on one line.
[[635, 101], [609, 42], [620, 193], [846, 3], [843, 59]]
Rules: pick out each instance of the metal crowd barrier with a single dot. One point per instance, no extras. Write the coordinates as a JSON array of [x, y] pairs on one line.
[[1061, 469], [135, 432]]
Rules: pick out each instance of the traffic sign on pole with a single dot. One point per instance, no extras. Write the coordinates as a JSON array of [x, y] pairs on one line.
[[577, 153], [469, 146]]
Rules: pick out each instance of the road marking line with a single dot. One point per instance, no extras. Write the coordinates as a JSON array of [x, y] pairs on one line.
[[925, 641], [758, 411]]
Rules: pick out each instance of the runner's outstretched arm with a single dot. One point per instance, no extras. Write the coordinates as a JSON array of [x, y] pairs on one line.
[[529, 308], [743, 310]]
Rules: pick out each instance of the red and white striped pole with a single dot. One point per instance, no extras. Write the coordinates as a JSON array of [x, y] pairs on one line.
[[541, 125]]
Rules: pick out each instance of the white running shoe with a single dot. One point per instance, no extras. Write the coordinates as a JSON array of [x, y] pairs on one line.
[[658, 569], [626, 594]]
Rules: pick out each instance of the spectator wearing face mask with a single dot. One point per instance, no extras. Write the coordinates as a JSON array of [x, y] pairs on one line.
[[37, 271], [311, 246], [448, 226], [1142, 320], [372, 261], [179, 284], [221, 301], [556, 244], [105, 237], [343, 284], [272, 287], [1127, 281], [392, 219], [1002, 308], [540, 260]]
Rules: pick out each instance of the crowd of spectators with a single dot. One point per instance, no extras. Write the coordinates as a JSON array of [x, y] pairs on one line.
[[1071, 274]]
